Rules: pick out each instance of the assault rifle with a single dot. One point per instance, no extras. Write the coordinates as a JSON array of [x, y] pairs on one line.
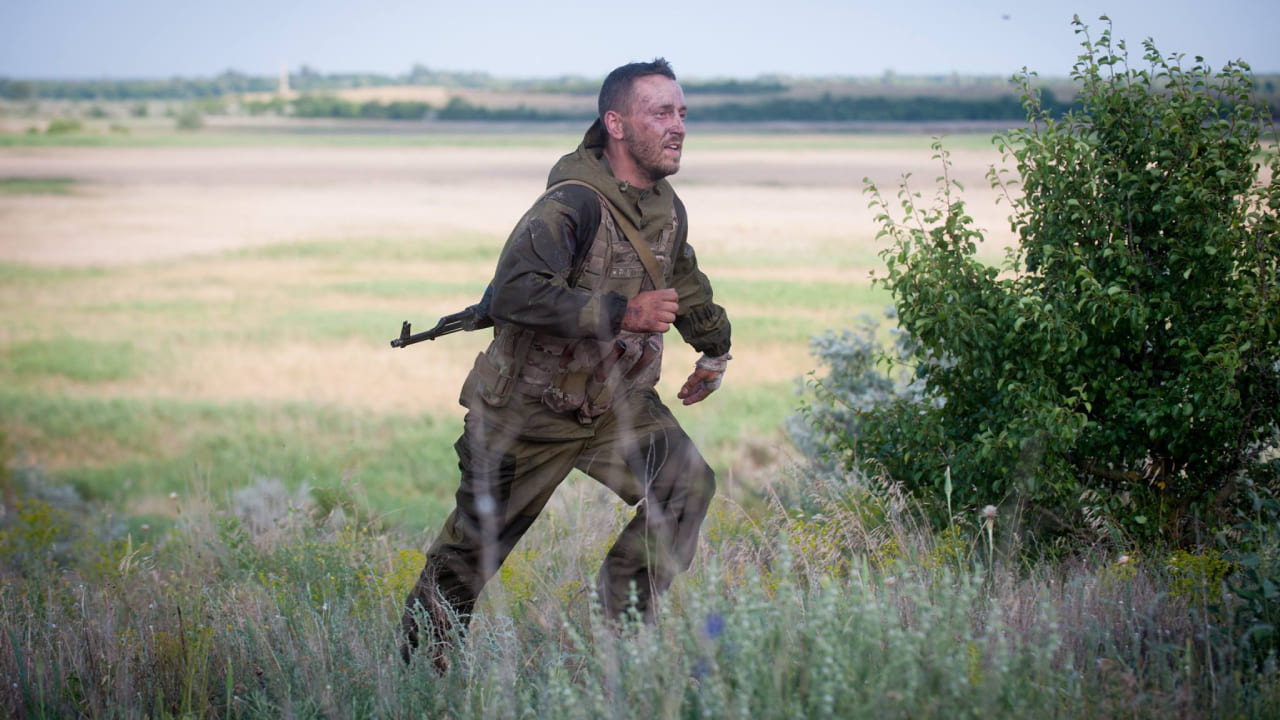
[[475, 317]]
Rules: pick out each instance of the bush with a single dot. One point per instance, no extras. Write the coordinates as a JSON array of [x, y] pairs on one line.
[[1122, 371], [1253, 546], [64, 126], [190, 119], [324, 106]]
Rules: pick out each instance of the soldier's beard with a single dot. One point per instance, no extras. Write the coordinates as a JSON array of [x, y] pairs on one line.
[[651, 157]]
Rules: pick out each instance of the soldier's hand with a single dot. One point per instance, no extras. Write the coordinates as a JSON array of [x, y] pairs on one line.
[[651, 311], [700, 384]]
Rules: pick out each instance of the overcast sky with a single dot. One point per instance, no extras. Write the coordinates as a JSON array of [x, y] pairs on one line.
[[528, 38]]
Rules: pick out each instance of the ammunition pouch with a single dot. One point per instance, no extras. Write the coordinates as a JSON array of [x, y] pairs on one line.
[[592, 373], [496, 370]]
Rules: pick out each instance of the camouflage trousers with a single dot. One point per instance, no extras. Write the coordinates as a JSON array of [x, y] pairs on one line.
[[636, 449]]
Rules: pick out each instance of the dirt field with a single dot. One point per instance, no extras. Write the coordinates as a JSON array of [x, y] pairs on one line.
[[136, 205]]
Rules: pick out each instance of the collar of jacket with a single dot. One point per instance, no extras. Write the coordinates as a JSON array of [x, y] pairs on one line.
[[649, 210]]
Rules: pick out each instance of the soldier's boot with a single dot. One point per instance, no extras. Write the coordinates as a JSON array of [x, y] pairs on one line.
[[434, 617]]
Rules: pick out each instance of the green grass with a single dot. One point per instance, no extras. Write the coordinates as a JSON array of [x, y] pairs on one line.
[[789, 295], [104, 326], [460, 248], [36, 185], [793, 328], [128, 449], [402, 288], [16, 274], [74, 358], [266, 603], [324, 324]]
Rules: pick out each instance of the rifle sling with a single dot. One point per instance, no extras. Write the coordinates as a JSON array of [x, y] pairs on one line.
[[647, 258]]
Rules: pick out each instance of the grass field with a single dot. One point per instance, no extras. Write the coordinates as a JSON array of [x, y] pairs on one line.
[[221, 477], [213, 309]]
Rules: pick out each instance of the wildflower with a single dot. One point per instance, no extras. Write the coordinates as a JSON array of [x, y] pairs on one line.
[[1123, 560], [989, 513], [714, 626], [173, 496]]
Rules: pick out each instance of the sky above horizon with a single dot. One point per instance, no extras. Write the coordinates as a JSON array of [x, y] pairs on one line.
[[120, 39]]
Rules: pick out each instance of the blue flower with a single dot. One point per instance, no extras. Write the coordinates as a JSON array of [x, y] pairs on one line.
[[714, 627]]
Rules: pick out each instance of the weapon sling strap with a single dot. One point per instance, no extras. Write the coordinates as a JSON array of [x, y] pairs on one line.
[[647, 258]]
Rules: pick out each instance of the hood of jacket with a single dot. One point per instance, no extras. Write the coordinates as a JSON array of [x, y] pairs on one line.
[[649, 210]]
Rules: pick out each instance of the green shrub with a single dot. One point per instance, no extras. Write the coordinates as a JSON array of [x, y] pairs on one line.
[[1121, 372], [1252, 545], [189, 118], [63, 126]]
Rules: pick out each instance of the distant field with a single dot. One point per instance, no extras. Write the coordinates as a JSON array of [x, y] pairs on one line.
[[209, 310]]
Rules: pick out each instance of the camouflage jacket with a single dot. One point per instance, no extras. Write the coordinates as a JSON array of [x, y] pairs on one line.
[[545, 298]]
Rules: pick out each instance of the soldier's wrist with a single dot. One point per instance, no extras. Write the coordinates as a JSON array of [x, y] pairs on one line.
[[718, 363]]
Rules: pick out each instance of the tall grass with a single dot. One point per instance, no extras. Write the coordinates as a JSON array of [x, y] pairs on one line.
[[271, 604]]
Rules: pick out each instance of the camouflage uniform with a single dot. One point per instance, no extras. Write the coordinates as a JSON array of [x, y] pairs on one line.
[[562, 386]]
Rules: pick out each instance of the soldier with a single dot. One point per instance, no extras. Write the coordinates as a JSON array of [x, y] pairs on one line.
[[586, 285]]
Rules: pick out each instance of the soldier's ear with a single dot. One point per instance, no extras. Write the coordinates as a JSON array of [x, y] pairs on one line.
[[613, 125]]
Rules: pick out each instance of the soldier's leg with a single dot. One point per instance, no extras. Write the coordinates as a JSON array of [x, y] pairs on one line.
[[505, 484], [641, 453]]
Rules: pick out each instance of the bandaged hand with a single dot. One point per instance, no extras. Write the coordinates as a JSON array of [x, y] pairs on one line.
[[707, 375]]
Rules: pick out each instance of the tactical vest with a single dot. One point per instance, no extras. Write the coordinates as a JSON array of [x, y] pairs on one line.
[[582, 375]]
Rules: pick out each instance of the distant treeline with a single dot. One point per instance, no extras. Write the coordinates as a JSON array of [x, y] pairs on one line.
[[878, 109], [331, 106], [307, 79], [823, 109], [760, 100], [177, 88]]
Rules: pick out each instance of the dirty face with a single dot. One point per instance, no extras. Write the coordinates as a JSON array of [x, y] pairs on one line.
[[653, 126]]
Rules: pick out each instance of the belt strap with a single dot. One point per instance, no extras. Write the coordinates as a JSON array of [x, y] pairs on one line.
[[632, 233]]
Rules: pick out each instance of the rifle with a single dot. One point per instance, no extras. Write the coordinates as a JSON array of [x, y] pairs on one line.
[[474, 317]]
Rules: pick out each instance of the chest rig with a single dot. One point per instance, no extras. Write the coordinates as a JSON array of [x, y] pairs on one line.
[[582, 375]]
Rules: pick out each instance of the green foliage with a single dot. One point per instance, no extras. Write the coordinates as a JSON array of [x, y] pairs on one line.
[[36, 185], [1123, 366], [1197, 576], [1253, 546], [316, 105], [127, 449], [64, 126], [189, 118], [826, 108], [459, 109], [829, 108]]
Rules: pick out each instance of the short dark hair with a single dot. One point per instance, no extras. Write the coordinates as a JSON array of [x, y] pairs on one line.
[[616, 90]]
